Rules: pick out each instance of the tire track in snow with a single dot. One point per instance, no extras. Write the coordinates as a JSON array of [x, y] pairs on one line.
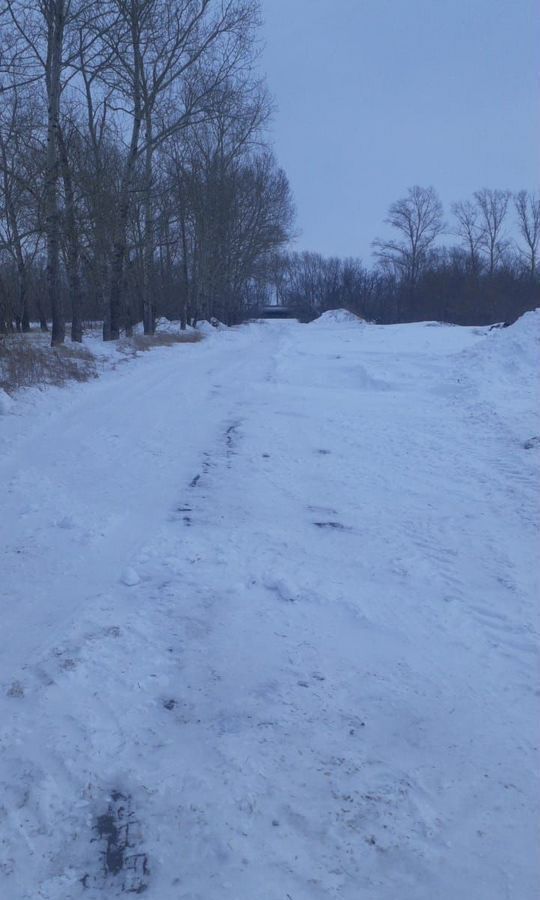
[[274, 698], [131, 659]]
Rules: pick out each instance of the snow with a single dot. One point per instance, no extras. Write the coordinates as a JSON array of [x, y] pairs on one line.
[[6, 403], [336, 317], [508, 362], [205, 328], [130, 577], [210, 328], [168, 326], [324, 684]]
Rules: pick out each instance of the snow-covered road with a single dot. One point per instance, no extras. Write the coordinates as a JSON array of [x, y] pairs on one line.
[[324, 683]]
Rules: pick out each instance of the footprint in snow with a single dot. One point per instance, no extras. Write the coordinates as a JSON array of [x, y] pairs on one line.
[[337, 526], [69, 665], [15, 690], [67, 523]]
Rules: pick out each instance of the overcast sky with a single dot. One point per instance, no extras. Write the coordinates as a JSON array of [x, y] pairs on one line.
[[377, 95]]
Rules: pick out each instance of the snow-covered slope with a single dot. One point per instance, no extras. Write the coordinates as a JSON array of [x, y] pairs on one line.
[[503, 372], [268, 619]]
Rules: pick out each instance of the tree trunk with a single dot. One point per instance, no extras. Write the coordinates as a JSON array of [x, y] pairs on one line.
[[23, 295], [55, 25], [43, 326], [149, 311], [22, 318], [185, 304], [112, 320], [72, 238], [111, 323]]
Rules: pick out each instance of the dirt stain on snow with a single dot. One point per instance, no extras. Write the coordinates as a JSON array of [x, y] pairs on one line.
[[124, 864]]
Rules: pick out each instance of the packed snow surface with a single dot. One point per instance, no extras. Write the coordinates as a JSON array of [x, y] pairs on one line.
[[268, 624]]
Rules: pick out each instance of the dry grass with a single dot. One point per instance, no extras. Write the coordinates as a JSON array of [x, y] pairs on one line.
[[142, 342], [27, 360]]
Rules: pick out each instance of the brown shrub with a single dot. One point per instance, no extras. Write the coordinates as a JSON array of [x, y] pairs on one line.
[[27, 360], [142, 342]]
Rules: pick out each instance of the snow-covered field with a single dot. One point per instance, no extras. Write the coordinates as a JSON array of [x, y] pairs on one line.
[[268, 620]]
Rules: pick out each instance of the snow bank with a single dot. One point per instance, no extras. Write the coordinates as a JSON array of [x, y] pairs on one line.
[[515, 347], [205, 327], [503, 370], [509, 353], [337, 317], [6, 403], [210, 327], [107, 352], [170, 326]]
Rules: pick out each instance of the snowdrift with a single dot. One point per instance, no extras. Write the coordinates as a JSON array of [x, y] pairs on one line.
[[209, 328], [503, 370], [518, 344], [337, 317], [6, 403], [511, 353], [170, 326]]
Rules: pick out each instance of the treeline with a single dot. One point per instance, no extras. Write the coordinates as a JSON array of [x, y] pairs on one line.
[[135, 179], [483, 276]]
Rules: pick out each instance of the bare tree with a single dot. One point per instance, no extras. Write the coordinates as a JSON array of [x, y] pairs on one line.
[[468, 229], [71, 234], [528, 218], [418, 218], [41, 54], [19, 197], [162, 59], [99, 171], [229, 220], [214, 164], [493, 206], [312, 284]]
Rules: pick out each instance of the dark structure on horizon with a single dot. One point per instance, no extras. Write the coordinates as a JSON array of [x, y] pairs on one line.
[[277, 311]]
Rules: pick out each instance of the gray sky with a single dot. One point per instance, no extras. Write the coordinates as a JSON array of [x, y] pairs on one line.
[[377, 95]]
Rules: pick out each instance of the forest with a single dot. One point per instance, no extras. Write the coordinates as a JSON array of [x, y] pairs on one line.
[[487, 273], [138, 180]]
